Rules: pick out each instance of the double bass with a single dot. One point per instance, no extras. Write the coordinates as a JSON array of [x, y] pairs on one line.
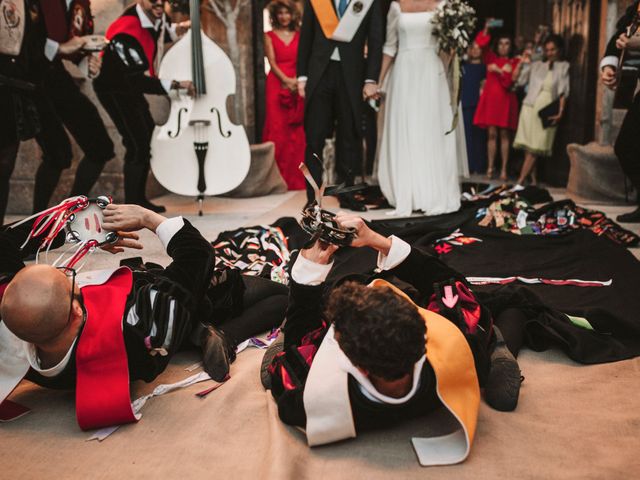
[[198, 151]]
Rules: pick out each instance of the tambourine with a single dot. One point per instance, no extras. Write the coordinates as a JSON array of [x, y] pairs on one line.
[[319, 223], [81, 219], [84, 223]]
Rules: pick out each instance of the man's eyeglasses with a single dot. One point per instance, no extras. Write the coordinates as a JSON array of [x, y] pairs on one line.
[[70, 273]]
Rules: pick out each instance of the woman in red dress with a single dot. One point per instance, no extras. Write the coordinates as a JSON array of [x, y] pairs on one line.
[[284, 108], [497, 109]]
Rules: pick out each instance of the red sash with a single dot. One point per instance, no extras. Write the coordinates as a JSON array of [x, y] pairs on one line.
[[102, 390], [130, 24]]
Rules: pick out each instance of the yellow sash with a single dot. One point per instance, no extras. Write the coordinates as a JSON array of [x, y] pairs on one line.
[[328, 407], [326, 15], [450, 356]]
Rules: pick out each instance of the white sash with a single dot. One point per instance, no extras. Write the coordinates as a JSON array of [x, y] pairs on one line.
[[329, 414], [326, 396], [351, 20]]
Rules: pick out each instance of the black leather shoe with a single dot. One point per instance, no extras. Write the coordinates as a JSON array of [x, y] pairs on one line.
[[503, 384], [349, 203], [153, 207], [215, 354], [631, 217]]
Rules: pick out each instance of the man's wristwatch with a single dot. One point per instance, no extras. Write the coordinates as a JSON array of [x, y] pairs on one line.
[[175, 85]]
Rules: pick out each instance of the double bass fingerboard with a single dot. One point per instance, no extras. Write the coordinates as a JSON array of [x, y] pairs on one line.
[[197, 62]]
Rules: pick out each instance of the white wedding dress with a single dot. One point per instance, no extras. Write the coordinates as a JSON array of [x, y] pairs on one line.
[[418, 163]]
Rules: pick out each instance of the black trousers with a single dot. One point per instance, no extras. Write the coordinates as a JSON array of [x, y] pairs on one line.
[[264, 304], [131, 116], [61, 105], [58, 103], [328, 109], [627, 145]]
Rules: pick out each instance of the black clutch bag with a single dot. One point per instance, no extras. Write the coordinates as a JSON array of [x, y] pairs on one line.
[[549, 111]]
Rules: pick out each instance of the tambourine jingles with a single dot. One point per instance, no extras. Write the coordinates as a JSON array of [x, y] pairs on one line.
[[319, 223], [81, 219]]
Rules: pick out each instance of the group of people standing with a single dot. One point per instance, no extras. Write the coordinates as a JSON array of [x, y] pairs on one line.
[[336, 77], [494, 78], [418, 161], [39, 98]]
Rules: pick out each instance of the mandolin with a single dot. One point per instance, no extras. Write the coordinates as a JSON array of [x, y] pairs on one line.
[[628, 71], [198, 151]]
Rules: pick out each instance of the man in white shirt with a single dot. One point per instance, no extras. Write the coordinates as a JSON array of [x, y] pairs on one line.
[[61, 26], [163, 311], [381, 334], [129, 70]]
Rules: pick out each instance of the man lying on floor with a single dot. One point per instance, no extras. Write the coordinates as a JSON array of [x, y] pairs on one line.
[[359, 361], [156, 311]]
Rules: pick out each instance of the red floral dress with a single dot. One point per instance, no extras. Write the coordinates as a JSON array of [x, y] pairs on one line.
[[498, 105], [284, 114]]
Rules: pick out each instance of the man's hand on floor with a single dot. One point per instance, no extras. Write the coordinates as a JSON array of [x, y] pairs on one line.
[[130, 218]]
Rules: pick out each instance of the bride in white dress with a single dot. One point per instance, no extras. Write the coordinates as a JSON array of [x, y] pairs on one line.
[[418, 165]]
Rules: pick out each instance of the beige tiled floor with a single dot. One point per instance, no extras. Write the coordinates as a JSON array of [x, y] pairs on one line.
[[573, 421]]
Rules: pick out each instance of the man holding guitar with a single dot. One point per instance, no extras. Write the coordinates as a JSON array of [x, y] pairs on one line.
[[627, 145]]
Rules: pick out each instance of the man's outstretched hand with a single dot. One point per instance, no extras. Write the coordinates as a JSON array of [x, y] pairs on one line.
[[365, 237], [130, 218]]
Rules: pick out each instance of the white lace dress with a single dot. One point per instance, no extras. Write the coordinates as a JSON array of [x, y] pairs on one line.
[[418, 164]]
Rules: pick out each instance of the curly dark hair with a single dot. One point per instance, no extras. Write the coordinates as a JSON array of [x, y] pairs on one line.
[[378, 330], [276, 5]]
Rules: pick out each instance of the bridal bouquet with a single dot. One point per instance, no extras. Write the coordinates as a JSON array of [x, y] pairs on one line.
[[453, 25]]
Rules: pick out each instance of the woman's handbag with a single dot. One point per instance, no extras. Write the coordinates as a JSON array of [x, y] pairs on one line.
[[294, 104], [546, 113]]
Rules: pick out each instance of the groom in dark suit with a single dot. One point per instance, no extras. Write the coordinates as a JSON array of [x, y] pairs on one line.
[[334, 77]]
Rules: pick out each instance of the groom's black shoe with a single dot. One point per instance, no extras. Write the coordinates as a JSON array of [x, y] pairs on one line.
[[631, 217], [347, 201]]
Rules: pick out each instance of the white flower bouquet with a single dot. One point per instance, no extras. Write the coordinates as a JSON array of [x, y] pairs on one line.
[[453, 25]]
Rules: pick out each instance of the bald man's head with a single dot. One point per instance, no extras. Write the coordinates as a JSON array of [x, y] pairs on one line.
[[35, 305]]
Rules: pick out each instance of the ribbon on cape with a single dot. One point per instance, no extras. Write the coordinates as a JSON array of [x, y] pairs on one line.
[[102, 385], [326, 394], [345, 28]]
